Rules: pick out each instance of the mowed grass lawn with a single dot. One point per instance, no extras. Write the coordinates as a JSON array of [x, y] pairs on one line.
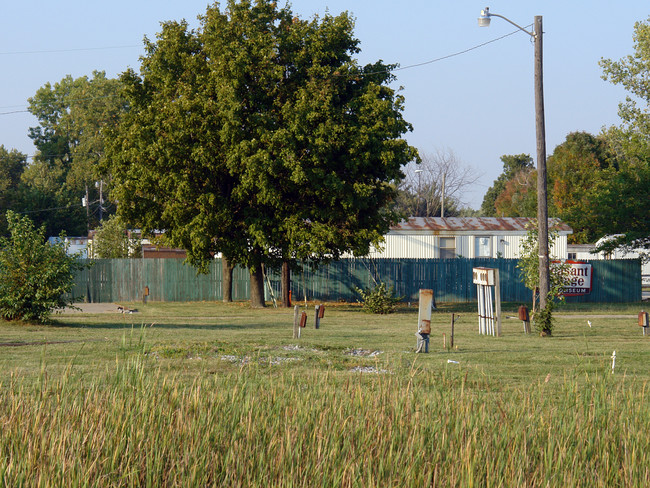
[[197, 336], [212, 394]]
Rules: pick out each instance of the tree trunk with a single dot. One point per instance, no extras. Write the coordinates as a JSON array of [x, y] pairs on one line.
[[257, 287], [226, 280], [286, 284]]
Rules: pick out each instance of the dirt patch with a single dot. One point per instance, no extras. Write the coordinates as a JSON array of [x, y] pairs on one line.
[[91, 308]]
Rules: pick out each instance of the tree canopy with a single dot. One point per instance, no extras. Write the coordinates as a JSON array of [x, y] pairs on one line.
[[12, 166], [624, 201], [259, 137]]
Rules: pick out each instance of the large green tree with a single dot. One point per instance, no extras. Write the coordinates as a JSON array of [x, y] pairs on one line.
[[623, 203], [258, 136]]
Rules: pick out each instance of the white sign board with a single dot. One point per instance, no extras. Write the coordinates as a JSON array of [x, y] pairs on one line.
[[483, 276]]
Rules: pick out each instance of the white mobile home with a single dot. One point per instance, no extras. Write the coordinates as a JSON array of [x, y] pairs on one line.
[[468, 237], [587, 251]]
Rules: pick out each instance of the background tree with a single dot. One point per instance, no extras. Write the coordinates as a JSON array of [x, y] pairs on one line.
[[623, 203], [512, 165], [577, 170], [519, 195], [285, 147], [73, 116], [12, 166], [420, 193], [34, 275]]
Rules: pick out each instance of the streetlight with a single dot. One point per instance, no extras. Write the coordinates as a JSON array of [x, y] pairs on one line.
[[542, 205]]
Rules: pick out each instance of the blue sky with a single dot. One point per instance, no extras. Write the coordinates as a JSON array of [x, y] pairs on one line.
[[479, 104]]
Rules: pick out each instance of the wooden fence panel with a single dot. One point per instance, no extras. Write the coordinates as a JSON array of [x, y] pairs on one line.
[[110, 280]]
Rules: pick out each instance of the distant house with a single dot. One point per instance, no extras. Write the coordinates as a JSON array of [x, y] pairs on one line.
[[74, 244], [468, 237]]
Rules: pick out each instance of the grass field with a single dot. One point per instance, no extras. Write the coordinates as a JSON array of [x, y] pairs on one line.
[[211, 394]]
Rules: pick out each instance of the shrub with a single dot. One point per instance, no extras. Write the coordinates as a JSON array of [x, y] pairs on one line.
[[543, 319], [379, 300], [34, 275]]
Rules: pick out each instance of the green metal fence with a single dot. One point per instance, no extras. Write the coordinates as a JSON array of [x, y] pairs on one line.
[[169, 280]]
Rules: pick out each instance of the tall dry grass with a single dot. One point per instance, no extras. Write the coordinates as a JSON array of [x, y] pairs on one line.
[[134, 425]]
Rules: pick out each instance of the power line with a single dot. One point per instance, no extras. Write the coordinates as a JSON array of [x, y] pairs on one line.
[[50, 51], [14, 112], [398, 68], [442, 58], [48, 209], [464, 51]]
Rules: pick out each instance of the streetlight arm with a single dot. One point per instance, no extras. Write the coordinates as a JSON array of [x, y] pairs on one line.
[[487, 14]]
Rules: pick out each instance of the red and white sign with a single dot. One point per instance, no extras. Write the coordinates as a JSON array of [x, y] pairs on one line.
[[581, 274]]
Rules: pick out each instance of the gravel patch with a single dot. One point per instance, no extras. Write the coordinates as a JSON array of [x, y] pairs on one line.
[[368, 369], [366, 353]]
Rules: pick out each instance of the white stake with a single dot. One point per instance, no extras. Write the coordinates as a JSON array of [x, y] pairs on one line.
[[613, 361]]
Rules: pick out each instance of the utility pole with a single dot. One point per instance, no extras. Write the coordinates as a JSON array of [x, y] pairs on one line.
[[542, 202], [540, 132], [417, 204], [86, 204], [100, 184], [442, 196]]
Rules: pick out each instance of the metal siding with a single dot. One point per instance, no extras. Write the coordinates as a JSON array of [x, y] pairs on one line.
[[509, 246], [423, 246], [401, 246], [559, 249], [463, 246]]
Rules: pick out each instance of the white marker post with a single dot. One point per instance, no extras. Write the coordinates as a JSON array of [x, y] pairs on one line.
[[424, 320], [485, 279]]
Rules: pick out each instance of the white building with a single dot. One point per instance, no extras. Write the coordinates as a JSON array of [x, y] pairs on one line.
[[467, 237], [74, 245]]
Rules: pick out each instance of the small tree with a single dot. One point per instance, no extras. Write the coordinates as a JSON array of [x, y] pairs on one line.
[[112, 240], [34, 275], [529, 269]]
